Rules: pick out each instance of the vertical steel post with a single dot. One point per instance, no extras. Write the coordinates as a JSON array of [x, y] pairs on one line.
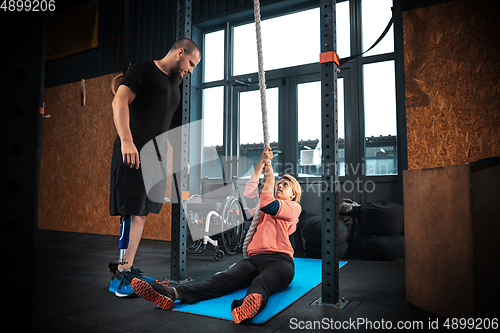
[[180, 182], [330, 165]]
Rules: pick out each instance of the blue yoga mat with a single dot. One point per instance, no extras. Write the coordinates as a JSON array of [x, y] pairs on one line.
[[307, 276]]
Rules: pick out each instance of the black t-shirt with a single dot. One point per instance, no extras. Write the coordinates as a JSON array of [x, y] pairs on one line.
[[157, 98]]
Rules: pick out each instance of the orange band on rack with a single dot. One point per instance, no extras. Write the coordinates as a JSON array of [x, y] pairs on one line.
[[331, 56]]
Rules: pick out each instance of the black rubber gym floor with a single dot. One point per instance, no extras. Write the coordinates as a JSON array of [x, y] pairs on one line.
[[70, 293]]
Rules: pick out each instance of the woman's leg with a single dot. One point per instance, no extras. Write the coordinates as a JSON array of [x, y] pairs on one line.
[[237, 277], [275, 275]]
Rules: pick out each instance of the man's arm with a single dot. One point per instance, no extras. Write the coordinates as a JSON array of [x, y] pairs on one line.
[[124, 96]]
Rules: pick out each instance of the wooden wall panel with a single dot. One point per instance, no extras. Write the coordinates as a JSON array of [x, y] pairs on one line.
[[451, 239], [438, 241], [75, 163], [452, 76]]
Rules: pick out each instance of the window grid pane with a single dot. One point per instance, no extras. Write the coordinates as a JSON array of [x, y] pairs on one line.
[[213, 134], [343, 29], [309, 128], [213, 56], [374, 17], [380, 118], [288, 40], [250, 128]]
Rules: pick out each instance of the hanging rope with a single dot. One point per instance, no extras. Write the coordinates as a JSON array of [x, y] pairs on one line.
[[262, 75], [263, 106]]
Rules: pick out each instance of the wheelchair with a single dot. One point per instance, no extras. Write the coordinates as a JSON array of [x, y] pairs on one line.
[[219, 212]]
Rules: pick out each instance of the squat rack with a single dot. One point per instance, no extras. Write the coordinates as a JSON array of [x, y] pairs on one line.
[[329, 116], [330, 157], [180, 158]]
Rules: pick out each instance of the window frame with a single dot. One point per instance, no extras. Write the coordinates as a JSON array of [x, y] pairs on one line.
[[353, 76]]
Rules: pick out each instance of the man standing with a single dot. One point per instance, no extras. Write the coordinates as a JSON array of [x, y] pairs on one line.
[[143, 107]]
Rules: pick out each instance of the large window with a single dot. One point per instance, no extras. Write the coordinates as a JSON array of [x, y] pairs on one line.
[[366, 93]]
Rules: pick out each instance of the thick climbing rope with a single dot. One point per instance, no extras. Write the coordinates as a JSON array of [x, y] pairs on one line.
[[262, 88], [262, 76]]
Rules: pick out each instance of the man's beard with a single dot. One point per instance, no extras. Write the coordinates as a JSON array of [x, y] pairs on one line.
[[175, 74], [178, 78]]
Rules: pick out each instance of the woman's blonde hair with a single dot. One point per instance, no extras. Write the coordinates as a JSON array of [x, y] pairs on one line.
[[296, 189]]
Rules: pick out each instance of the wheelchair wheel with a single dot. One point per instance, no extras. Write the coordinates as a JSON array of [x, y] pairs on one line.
[[219, 255], [193, 222], [233, 224]]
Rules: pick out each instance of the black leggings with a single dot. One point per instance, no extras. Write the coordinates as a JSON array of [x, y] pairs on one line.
[[263, 274]]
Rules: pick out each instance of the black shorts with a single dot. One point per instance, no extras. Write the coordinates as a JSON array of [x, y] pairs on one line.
[[127, 191]]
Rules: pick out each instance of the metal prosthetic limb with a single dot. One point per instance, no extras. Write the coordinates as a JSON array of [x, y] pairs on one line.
[[125, 222]]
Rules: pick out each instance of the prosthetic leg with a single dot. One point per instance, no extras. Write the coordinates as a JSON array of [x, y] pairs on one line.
[[125, 222], [117, 284]]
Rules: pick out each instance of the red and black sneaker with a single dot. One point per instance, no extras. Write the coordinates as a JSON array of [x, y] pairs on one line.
[[248, 308], [158, 293]]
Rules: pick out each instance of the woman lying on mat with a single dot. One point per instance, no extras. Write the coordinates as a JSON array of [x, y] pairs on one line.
[[269, 267]]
